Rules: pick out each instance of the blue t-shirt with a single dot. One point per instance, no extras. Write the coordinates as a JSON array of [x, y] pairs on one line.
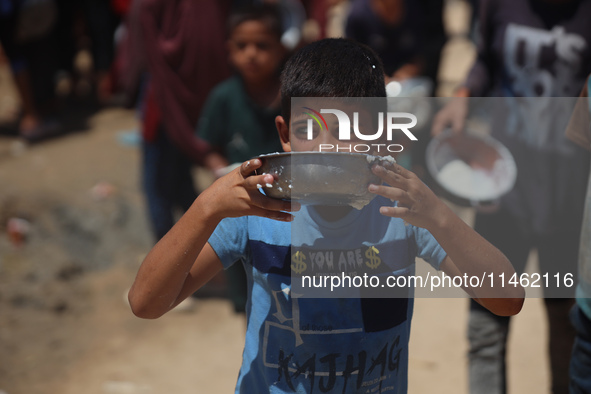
[[298, 344]]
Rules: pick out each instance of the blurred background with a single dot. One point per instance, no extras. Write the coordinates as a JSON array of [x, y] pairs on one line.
[[75, 85]]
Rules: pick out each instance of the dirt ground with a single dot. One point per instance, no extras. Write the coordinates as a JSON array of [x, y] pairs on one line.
[[65, 327]]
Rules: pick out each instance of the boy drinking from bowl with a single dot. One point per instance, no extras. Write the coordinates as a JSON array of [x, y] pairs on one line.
[[296, 344]]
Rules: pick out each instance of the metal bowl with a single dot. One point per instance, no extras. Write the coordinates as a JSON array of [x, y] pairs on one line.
[[321, 178], [472, 170]]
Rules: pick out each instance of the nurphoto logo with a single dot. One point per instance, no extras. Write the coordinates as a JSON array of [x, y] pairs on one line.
[[401, 121]]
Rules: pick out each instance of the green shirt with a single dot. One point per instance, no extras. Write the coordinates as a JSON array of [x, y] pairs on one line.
[[233, 123]]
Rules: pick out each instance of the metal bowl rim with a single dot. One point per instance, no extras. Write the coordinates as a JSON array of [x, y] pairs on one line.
[[314, 153], [503, 151]]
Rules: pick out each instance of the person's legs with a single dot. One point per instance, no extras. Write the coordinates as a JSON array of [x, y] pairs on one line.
[[169, 188], [102, 23], [561, 336], [181, 180], [580, 366], [487, 333], [33, 69], [167, 182], [159, 208], [558, 254]]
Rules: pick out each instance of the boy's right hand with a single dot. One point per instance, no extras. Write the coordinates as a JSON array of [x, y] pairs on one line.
[[237, 194]]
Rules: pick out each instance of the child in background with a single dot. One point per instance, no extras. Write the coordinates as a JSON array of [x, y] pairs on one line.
[[297, 344], [238, 119]]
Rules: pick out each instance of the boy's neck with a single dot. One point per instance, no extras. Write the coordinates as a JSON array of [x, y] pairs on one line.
[[263, 92], [332, 213]]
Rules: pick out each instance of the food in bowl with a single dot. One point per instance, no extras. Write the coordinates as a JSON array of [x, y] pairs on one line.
[[473, 183], [472, 170]]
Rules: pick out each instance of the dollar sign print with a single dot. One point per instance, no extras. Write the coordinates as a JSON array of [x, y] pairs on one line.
[[297, 262], [373, 260]]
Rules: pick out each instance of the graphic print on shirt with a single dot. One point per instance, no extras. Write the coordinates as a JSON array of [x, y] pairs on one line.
[[349, 273], [308, 261], [370, 349], [304, 330], [541, 65]]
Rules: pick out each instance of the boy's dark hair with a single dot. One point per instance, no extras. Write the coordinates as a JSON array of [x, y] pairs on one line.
[[267, 14], [333, 67]]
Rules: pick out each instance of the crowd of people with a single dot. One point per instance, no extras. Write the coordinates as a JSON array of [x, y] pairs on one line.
[[206, 80], [41, 41]]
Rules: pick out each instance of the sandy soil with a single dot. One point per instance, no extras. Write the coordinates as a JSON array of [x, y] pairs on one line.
[[65, 327]]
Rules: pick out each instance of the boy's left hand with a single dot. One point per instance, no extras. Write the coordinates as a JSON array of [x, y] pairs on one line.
[[417, 204]]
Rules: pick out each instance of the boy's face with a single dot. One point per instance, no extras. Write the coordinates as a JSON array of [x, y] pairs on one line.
[[254, 51], [294, 137]]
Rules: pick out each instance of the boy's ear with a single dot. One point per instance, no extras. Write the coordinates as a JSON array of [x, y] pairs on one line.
[[283, 130]]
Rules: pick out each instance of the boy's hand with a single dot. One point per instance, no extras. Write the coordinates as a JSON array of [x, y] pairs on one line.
[[417, 204], [236, 194]]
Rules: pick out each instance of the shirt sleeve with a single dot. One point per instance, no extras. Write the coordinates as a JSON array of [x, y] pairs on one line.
[[579, 126], [428, 248], [230, 239]]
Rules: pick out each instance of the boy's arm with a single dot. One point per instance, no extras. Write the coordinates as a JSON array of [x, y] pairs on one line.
[[467, 252], [182, 261]]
